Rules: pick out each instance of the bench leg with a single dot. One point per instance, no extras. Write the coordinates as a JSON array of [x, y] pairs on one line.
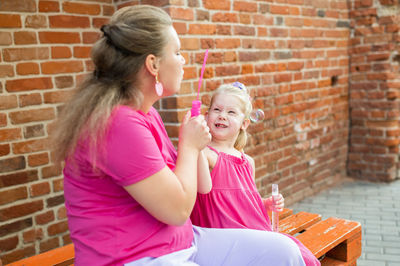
[[348, 251]]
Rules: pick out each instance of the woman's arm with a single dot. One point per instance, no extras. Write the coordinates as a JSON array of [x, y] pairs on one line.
[[170, 195], [204, 183]]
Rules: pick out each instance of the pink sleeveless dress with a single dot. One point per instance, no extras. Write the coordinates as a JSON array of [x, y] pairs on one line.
[[234, 201]]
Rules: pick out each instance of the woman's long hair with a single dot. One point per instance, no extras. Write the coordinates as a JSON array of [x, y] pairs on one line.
[[133, 33]]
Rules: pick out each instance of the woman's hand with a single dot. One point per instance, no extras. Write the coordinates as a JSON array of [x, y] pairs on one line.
[[278, 205], [194, 132]]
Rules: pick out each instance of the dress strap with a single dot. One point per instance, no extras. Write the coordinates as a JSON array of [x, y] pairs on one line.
[[214, 150]]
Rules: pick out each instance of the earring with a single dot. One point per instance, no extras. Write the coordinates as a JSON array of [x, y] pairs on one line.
[[159, 87]]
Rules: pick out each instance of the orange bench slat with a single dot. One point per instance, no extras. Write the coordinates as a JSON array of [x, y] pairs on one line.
[[298, 222], [52, 257], [325, 235]]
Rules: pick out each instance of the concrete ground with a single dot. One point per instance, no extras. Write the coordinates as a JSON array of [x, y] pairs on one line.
[[375, 205]]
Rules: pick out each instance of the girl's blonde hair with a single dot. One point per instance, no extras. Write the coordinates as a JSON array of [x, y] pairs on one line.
[[238, 90], [132, 34]]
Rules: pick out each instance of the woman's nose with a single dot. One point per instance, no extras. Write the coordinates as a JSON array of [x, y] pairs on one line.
[[183, 59]]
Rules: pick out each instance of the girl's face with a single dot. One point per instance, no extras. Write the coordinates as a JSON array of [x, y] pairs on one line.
[[171, 64], [225, 117]]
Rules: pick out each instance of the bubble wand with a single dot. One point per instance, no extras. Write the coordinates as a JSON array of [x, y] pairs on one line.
[[196, 104]]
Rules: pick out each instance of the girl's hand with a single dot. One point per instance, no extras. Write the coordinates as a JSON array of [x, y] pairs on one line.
[[194, 132], [277, 206]]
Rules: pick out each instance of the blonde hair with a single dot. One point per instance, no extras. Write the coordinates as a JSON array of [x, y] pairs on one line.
[[238, 90], [132, 34]]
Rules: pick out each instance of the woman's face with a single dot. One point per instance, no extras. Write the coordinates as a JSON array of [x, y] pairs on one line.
[[171, 64]]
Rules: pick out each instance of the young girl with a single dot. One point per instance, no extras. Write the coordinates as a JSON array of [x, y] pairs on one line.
[[234, 201]]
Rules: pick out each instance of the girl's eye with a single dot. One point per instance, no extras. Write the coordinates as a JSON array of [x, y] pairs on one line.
[[232, 112], [216, 109]]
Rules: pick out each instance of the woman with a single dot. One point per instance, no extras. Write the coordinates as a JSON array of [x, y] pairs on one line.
[[128, 193]]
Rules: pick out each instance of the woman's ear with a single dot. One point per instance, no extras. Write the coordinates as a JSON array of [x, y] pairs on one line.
[[152, 64], [245, 124]]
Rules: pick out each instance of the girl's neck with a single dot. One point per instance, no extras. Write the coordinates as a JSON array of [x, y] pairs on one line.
[[224, 146]]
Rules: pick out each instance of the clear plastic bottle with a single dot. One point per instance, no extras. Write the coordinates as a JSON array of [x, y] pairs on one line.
[[275, 214]]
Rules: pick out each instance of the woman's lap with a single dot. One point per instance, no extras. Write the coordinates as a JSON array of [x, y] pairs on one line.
[[244, 247], [232, 247]]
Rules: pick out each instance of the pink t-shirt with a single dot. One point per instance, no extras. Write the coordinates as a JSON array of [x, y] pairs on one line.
[[107, 225]]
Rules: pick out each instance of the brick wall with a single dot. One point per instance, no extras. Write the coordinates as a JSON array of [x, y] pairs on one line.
[[291, 54], [45, 47], [374, 90]]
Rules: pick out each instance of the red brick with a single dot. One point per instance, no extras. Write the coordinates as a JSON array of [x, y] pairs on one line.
[[25, 37], [57, 228], [225, 17], [284, 77], [36, 21], [20, 210], [6, 71], [49, 244], [50, 171], [27, 68], [18, 254], [60, 52], [56, 67], [42, 114], [13, 195], [221, 4], [19, 54], [30, 99], [58, 184], [8, 102], [180, 27], [44, 218], [39, 189], [38, 159], [82, 51], [61, 96], [10, 134], [59, 37], [30, 146], [64, 82], [80, 8], [190, 44], [5, 38], [4, 149], [90, 37], [244, 30], [108, 10], [8, 244], [98, 22], [15, 6], [10, 21], [280, 10], [227, 43], [181, 13], [49, 6], [202, 29], [229, 70], [33, 235], [62, 213], [243, 6], [67, 21]]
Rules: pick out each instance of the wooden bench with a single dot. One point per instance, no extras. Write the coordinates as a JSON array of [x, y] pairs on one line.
[[334, 241]]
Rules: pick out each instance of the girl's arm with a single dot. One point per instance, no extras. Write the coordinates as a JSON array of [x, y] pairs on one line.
[[169, 195], [204, 183]]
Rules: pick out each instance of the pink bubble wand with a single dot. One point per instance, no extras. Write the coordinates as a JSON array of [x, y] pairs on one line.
[[196, 104]]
